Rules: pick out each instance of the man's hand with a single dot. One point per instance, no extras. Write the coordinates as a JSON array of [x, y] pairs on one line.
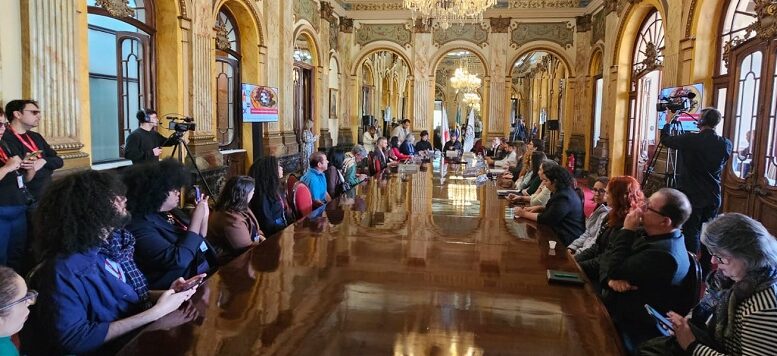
[[13, 163], [34, 165], [633, 220], [620, 286], [157, 151]]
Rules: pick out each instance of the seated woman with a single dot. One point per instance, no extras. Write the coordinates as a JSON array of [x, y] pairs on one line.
[[91, 291], [232, 227], [524, 186], [738, 313], [594, 222], [394, 152], [269, 201], [408, 147], [623, 194], [169, 244], [351, 163], [564, 211], [541, 196], [335, 182], [15, 301]]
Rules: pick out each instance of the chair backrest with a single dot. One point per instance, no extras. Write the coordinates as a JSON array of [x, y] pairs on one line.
[[692, 285], [303, 200], [290, 181]]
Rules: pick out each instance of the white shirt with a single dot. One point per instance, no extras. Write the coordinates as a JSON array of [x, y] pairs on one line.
[[510, 159], [369, 141], [400, 132]]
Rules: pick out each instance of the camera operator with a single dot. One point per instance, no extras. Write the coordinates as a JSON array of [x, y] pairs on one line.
[[144, 143], [701, 159]]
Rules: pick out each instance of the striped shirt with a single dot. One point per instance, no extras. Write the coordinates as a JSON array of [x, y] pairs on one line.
[[755, 326]]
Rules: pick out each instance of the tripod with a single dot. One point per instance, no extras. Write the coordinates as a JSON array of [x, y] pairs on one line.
[[670, 171], [176, 137]]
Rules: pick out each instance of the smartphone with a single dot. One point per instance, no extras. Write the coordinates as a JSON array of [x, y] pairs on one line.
[[662, 323], [197, 194], [33, 154], [191, 283]]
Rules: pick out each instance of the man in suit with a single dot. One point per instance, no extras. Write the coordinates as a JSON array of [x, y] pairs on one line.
[[378, 159], [646, 265]]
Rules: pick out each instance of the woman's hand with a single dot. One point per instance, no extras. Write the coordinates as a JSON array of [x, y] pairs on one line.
[[682, 331], [175, 318], [519, 212], [170, 301], [13, 163], [180, 284], [200, 215]]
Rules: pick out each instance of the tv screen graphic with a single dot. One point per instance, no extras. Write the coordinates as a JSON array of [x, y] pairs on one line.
[[260, 103]]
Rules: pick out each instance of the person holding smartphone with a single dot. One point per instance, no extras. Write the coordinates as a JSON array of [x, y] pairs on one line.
[[232, 227], [91, 292], [170, 243]]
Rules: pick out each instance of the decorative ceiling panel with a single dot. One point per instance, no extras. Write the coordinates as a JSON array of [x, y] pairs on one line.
[[474, 33], [308, 10], [558, 32], [389, 5], [540, 4], [397, 33]]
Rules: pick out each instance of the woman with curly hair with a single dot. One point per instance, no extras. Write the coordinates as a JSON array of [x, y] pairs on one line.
[[623, 195], [232, 227], [268, 203], [169, 243], [91, 291]]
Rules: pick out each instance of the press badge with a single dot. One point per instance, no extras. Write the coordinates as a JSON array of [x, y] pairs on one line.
[[203, 246], [20, 182]]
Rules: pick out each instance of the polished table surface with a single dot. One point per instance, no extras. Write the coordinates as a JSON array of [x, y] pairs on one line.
[[425, 263]]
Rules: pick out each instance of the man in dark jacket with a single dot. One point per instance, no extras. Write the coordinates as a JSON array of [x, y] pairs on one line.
[[647, 265], [702, 157], [144, 144], [24, 115]]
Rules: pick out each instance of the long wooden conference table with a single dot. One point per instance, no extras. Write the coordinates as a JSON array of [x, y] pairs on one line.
[[426, 263]]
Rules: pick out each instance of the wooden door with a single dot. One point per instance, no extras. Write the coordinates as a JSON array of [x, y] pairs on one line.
[[749, 185]]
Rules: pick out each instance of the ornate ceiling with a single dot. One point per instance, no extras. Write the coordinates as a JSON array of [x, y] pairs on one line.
[[392, 5]]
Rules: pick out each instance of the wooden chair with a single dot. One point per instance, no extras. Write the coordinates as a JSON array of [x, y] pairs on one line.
[[692, 285], [303, 200], [290, 181]]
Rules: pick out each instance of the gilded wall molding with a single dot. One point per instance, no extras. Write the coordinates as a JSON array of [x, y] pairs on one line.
[[558, 32], [766, 25], [610, 6], [598, 27], [327, 12], [536, 4], [583, 23], [475, 33], [385, 6], [117, 8], [182, 8], [346, 25], [691, 14], [397, 33], [421, 26], [308, 10], [500, 24]]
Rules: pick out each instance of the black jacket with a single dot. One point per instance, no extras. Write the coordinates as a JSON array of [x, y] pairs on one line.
[[141, 143], [43, 176], [423, 146], [702, 157], [564, 214], [657, 265], [270, 212]]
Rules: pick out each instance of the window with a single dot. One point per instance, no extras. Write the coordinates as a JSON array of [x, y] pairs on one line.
[[739, 15], [120, 76], [228, 102], [745, 117], [770, 173], [598, 97]]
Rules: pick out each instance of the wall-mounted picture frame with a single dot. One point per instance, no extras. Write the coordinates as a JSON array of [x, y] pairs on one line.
[[332, 103]]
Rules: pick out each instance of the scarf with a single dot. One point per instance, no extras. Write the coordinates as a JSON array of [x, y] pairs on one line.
[[349, 161], [724, 296], [120, 248]]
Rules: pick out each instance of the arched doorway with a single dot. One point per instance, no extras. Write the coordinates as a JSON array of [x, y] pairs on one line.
[[750, 65], [596, 70], [459, 75], [647, 62], [228, 104], [304, 76], [385, 82], [121, 76], [540, 77]]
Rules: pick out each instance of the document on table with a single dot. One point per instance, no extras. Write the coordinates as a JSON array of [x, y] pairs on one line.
[[505, 192]]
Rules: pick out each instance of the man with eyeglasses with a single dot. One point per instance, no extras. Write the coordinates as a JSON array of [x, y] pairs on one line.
[[646, 262], [38, 156]]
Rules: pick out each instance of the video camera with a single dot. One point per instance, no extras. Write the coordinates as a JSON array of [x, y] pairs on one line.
[[682, 100], [181, 124]]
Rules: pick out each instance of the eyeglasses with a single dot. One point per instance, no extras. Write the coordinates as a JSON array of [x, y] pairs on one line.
[[31, 297], [720, 260], [599, 191], [34, 112], [647, 207]]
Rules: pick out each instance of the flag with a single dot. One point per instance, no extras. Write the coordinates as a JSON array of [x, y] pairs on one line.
[[458, 114], [469, 135], [444, 133]]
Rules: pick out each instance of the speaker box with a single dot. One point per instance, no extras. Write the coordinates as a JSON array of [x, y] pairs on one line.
[[553, 125]]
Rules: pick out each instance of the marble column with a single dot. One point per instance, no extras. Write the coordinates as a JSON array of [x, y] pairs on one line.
[[51, 65]]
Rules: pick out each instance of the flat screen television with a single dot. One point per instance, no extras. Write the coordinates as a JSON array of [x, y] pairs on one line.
[[259, 103]]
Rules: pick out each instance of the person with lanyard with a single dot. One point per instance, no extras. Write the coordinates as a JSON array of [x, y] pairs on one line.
[[170, 244], [24, 115], [13, 203], [91, 293]]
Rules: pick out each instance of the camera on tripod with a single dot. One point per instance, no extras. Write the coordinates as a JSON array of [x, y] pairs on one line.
[[682, 100], [181, 124]]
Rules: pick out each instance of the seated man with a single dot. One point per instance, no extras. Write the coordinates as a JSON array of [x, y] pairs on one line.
[[453, 144], [315, 178], [91, 291], [646, 265], [509, 160]]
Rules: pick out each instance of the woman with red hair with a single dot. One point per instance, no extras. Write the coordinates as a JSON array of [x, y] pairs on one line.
[[623, 195]]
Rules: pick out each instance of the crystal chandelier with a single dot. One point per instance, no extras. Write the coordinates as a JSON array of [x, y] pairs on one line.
[[447, 12], [462, 80], [471, 100]]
